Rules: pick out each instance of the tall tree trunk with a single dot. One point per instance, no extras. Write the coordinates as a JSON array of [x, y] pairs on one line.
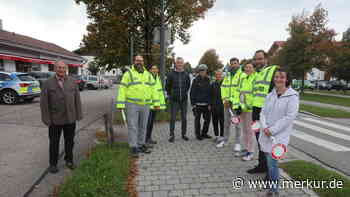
[[302, 82]]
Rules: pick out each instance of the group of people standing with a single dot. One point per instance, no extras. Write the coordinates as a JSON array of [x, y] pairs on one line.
[[254, 95], [251, 94]]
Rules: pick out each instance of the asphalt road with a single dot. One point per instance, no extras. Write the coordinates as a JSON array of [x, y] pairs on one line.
[[325, 140], [24, 141]]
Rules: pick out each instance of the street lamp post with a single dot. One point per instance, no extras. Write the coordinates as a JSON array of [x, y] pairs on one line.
[[162, 42]]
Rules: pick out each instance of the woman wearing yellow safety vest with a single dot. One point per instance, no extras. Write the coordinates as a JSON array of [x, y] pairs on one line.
[[245, 99], [153, 112]]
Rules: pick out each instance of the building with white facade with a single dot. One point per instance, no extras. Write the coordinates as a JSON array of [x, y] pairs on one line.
[[20, 53]]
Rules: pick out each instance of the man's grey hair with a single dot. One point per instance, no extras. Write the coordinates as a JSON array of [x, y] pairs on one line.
[[58, 62], [219, 70], [179, 58]]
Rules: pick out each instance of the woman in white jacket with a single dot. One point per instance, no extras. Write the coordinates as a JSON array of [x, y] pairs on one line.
[[277, 117]]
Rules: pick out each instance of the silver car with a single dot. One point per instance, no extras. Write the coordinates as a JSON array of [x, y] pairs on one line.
[[18, 86]]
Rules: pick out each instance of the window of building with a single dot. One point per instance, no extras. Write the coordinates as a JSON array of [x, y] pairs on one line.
[[51, 67], [23, 66], [36, 67], [72, 70], [2, 65]]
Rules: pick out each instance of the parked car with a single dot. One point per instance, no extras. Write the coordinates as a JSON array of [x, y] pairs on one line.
[[115, 79], [92, 82], [337, 85], [79, 81], [322, 85], [18, 86], [41, 76], [296, 84], [105, 82]]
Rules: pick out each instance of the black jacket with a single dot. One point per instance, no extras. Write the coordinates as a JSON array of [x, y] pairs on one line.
[[216, 100], [200, 90], [177, 85]]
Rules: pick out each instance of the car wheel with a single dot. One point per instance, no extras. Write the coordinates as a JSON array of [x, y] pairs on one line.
[[90, 87], [9, 97]]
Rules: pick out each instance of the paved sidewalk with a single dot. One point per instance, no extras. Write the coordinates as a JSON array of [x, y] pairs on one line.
[[195, 168], [339, 107]]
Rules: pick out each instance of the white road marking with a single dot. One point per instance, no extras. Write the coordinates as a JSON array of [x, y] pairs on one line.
[[323, 130], [320, 142]]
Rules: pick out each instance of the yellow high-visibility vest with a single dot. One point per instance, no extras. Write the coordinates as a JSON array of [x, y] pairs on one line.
[[160, 93], [229, 86], [245, 90], [137, 88], [261, 85]]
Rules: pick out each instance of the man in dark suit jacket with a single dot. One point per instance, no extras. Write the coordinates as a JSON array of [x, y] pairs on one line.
[[60, 109]]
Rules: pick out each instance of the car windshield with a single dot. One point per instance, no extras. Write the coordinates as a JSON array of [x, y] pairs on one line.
[[25, 77], [93, 78]]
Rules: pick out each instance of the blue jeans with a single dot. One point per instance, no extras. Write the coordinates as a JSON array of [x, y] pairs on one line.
[[272, 165]]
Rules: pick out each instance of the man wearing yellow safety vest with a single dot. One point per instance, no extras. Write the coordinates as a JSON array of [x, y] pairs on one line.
[[245, 99], [228, 91], [152, 114], [263, 84], [137, 92]]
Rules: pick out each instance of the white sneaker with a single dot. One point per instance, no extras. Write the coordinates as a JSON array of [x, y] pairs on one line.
[[237, 148], [247, 157], [221, 144], [237, 154]]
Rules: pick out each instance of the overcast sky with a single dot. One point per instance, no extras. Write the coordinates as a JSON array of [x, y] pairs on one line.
[[235, 28]]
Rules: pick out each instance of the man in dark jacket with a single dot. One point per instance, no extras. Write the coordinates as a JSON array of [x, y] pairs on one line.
[[200, 100], [217, 106], [177, 85], [60, 109]]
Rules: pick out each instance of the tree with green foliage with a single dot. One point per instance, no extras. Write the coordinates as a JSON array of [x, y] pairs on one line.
[[341, 68], [310, 44], [188, 67], [211, 59], [93, 67], [114, 22]]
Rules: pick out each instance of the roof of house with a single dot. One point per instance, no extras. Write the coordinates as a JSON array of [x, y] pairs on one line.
[[34, 43]]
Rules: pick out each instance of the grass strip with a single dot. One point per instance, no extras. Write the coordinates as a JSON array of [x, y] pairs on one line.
[[325, 112], [334, 100], [103, 174], [335, 184]]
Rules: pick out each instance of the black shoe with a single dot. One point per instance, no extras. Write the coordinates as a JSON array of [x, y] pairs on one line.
[[171, 139], [70, 165], [257, 169], [184, 137], [148, 146], [199, 138], [206, 136], [144, 149], [151, 142], [53, 169], [134, 152]]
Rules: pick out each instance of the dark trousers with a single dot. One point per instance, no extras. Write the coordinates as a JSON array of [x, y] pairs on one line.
[[55, 132], [262, 158], [150, 122], [200, 111], [218, 119], [175, 106]]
